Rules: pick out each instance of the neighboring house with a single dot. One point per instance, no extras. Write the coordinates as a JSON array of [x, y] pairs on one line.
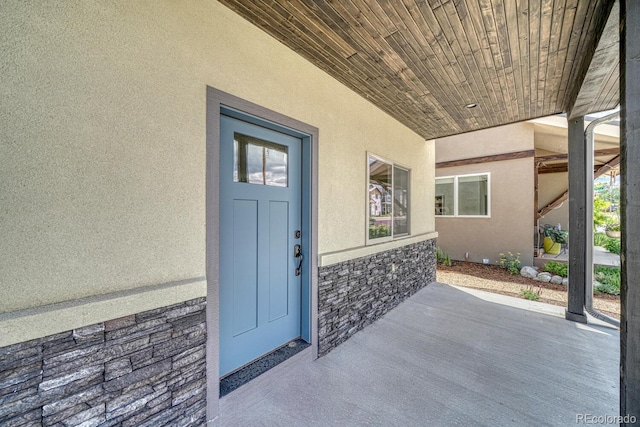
[[496, 187]]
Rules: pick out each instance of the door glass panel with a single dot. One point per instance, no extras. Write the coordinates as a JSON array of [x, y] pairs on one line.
[[256, 161]]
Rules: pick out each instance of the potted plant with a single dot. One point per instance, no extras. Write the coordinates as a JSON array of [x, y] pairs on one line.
[[613, 230], [554, 239]]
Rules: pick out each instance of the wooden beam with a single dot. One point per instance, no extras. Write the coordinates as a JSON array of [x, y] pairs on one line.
[[606, 152], [535, 195], [630, 210], [599, 171], [487, 159], [564, 167], [579, 174], [551, 206], [555, 168], [564, 156]]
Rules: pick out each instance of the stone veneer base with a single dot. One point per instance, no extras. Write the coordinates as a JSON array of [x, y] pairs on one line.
[[355, 293], [146, 369]]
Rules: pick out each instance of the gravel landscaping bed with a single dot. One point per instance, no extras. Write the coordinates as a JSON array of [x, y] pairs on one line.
[[493, 278]]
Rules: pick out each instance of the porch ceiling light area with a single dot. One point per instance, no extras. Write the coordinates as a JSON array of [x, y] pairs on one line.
[[409, 57]]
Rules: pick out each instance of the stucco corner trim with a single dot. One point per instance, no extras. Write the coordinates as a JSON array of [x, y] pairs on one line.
[[330, 258], [32, 323]]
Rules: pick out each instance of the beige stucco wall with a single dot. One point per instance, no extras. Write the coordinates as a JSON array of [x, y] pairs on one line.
[[551, 134], [510, 227], [552, 185], [551, 138], [498, 140], [102, 124]]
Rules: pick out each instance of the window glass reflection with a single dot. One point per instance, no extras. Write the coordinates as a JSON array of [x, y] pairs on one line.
[[444, 196], [473, 194], [256, 161], [380, 204], [400, 201]]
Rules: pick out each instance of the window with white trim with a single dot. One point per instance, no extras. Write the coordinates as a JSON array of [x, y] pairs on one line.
[[463, 195], [388, 200]]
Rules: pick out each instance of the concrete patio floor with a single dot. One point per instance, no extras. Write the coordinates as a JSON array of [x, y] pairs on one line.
[[600, 257], [446, 356]]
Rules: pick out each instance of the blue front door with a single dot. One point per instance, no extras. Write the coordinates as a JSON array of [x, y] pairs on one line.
[[260, 216]]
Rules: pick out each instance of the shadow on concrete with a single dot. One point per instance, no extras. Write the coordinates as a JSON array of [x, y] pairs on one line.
[[444, 357], [600, 257]]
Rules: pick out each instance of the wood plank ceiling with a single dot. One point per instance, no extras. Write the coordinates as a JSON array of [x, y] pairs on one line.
[[423, 61], [600, 89]]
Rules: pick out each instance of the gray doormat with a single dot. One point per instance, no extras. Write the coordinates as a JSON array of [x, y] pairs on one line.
[[260, 366]]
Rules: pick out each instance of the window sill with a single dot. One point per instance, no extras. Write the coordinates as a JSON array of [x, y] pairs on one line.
[[464, 216]]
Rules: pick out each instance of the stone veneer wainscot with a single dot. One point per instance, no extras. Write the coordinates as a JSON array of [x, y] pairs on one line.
[[355, 293], [146, 369]]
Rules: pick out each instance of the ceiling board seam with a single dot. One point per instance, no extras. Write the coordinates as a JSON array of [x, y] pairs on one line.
[[477, 24], [444, 71]]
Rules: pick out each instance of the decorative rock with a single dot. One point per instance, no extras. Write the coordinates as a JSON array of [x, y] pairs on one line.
[[556, 280], [543, 277], [565, 281], [528, 272]]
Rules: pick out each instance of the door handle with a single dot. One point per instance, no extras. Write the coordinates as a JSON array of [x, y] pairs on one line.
[[297, 253]]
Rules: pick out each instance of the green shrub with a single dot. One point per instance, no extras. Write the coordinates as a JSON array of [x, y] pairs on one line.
[[557, 268], [600, 239], [379, 231], [613, 246], [443, 258], [609, 278], [606, 289], [511, 262], [531, 293]]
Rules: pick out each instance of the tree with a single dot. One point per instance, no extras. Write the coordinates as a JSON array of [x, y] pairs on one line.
[[600, 207], [608, 191]]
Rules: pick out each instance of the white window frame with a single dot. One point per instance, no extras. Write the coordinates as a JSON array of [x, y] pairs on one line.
[[455, 195], [368, 208]]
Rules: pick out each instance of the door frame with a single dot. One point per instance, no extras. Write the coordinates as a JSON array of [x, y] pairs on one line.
[[219, 102]]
